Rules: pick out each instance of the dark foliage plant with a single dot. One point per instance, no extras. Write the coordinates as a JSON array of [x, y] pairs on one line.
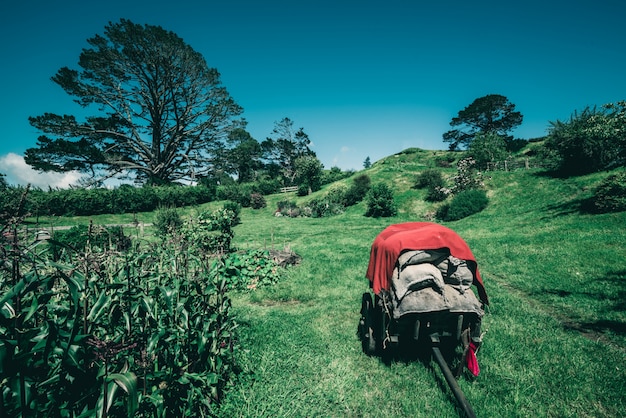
[[463, 204], [610, 195], [380, 202], [257, 201], [167, 221]]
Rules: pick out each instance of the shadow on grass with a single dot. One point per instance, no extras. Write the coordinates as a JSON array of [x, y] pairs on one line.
[[614, 284], [578, 206]]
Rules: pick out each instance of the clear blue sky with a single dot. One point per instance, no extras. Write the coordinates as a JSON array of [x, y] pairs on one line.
[[363, 78]]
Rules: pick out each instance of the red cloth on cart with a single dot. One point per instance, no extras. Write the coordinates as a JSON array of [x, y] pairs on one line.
[[409, 236]]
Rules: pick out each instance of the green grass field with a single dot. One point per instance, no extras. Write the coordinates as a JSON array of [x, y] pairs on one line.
[[555, 342]]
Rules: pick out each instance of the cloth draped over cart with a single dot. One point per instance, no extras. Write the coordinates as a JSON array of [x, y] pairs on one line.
[[395, 250]]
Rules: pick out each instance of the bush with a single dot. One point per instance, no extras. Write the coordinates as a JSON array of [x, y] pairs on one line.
[[267, 186], [249, 270], [610, 195], [167, 220], [238, 193], [380, 202], [320, 208], [467, 177], [445, 161], [286, 208], [210, 232], [303, 190], [432, 179], [466, 203], [257, 201], [357, 192], [235, 208], [100, 237], [591, 141]]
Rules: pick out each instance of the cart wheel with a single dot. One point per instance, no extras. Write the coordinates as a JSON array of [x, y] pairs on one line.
[[366, 330]]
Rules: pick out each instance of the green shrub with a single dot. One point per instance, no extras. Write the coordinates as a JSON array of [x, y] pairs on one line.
[[466, 203], [287, 208], [238, 193], [591, 141], [445, 161], [167, 220], [429, 178], [320, 208], [249, 270], [77, 238], [610, 195], [303, 190], [257, 201], [235, 208], [211, 232], [433, 180], [266, 186], [380, 202], [357, 192]]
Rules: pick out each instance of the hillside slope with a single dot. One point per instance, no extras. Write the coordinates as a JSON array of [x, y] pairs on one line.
[[555, 342]]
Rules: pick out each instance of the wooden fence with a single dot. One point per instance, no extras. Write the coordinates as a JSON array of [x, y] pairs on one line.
[[289, 189]]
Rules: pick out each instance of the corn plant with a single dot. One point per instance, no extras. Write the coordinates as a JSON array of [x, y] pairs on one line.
[[98, 332]]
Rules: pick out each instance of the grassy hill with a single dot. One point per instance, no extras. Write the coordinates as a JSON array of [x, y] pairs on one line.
[[555, 342]]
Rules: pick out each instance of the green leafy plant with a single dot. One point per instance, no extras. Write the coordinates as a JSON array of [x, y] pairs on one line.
[[380, 202], [104, 333], [463, 204], [248, 270], [257, 201], [167, 220]]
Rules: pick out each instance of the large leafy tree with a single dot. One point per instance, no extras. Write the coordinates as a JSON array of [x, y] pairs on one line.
[[158, 109], [285, 146], [244, 155], [491, 114]]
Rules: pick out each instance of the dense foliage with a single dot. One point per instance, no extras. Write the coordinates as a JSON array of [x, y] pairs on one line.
[[590, 141], [432, 180], [463, 204], [89, 330], [380, 202]]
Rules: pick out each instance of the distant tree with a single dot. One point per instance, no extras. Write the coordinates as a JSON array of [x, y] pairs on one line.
[[487, 148], [489, 114], [157, 106], [244, 157], [285, 146], [308, 173], [367, 163]]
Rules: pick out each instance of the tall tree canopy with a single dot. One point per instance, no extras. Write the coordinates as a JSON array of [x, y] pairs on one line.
[[285, 146], [244, 155], [159, 109], [491, 114]]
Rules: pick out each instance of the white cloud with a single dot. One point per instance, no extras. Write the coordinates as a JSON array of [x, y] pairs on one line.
[[19, 173], [345, 149]]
